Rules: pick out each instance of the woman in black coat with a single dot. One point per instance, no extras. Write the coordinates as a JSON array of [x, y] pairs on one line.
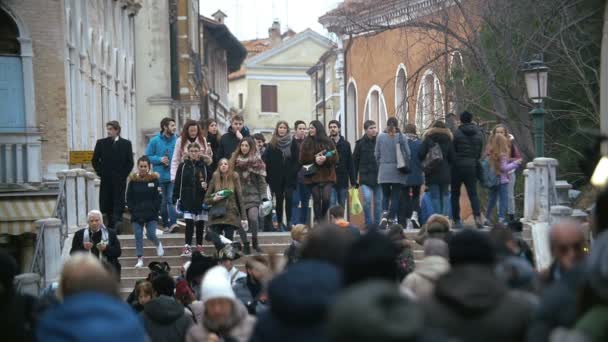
[[281, 158], [213, 140], [143, 201], [438, 178], [191, 182]]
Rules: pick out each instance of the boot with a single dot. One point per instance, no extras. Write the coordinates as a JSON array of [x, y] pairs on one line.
[[256, 247], [478, 222], [246, 248]]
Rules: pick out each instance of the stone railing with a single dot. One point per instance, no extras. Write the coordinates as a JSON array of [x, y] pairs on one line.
[[546, 202], [21, 155]]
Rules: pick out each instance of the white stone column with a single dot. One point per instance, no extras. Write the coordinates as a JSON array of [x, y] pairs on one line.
[[19, 162], [81, 197], [70, 200], [34, 156], [545, 173], [528, 193], [52, 248], [10, 164], [92, 191]]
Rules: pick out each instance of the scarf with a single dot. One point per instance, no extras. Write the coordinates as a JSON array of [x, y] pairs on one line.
[[253, 163], [104, 237], [284, 144]]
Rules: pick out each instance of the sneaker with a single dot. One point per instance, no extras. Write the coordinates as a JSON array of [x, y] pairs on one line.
[[140, 262], [414, 220], [384, 220], [172, 228], [160, 251], [186, 252], [478, 223]]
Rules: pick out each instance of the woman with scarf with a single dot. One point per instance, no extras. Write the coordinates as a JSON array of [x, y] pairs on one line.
[[250, 167], [191, 133], [281, 159], [318, 158], [98, 240]]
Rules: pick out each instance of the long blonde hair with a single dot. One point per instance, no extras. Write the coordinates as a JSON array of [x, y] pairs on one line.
[[499, 145], [223, 181]]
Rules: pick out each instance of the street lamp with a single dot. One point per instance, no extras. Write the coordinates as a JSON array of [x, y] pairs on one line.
[[536, 75]]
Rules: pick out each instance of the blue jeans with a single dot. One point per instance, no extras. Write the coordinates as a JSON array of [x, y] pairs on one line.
[[338, 196], [299, 205], [440, 199], [167, 210], [368, 192], [390, 194], [138, 229], [500, 193]]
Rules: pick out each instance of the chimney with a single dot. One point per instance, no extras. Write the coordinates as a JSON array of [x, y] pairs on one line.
[[274, 33], [219, 16]]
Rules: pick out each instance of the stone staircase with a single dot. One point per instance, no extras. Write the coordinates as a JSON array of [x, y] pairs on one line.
[[275, 243]]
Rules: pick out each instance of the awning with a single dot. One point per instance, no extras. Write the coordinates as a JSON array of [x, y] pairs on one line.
[[18, 214]]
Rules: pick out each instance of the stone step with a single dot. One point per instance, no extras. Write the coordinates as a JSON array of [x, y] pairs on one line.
[[176, 239], [150, 249]]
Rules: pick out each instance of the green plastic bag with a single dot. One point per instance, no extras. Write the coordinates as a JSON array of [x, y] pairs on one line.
[[355, 203]]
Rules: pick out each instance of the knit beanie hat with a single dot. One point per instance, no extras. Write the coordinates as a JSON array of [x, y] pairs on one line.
[[466, 117], [216, 284], [374, 311], [596, 267], [471, 247]]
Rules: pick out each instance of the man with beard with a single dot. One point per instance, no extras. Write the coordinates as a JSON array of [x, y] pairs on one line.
[[344, 168], [225, 318]]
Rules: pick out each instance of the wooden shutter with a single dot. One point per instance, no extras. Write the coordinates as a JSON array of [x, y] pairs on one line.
[[269, 99]]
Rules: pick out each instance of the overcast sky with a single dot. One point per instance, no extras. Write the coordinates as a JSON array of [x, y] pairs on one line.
[[250, 19]]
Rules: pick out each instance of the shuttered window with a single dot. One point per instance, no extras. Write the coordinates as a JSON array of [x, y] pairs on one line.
[[269, 99]]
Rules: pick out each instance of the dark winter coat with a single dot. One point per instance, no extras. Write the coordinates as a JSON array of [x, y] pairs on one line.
[[326, 173], [113, 159], [281, 173], [229, 142], [235, 213], [214, 142], [111, 253], [143, 197], [165, 320], [471, 304], [364, 161], [468, 148], [345, 169], [442, 136], [190, 174], [416, 176]]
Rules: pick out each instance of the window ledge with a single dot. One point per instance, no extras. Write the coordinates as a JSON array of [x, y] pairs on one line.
[[269, 114]]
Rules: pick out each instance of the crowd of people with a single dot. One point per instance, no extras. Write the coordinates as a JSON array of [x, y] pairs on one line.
[[338, 283]]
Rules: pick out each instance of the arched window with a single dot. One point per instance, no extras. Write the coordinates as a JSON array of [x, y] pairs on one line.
[[12, 101], [351, 110], [401, 105], [375, 107], [429, 102]]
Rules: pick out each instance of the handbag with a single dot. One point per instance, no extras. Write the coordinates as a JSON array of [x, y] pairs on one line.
[[266, 204], [309, 170], [401, 162], [217, 212]]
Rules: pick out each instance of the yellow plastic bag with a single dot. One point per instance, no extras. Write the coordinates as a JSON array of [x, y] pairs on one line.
[[355, 203]]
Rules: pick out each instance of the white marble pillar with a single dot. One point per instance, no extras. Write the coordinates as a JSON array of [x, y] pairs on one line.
[[545, 173], [81, 198], [52, 248], [528, 194], [70, 200], [92, 191]]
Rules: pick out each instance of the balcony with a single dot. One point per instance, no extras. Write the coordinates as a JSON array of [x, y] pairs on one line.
[[20, 163]]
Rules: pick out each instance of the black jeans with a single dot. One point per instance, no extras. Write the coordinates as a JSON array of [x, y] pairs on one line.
[[321, 197], [468, 177], [410, 202], [283, 203], [390, 199], [200, 229]]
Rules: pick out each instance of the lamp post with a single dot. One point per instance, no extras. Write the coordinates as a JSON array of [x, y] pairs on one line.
[[536, 76]]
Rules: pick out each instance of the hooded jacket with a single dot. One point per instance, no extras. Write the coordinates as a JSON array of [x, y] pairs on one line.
[[471, 304], [422, 281], [364, 161], [188, 188], [345, 169], [442, 136], [143, 197], [165, 320], [468, 147], [229, 142], [161, 146]]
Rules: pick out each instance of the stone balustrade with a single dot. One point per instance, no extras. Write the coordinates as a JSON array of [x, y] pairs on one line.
[[21, 155]]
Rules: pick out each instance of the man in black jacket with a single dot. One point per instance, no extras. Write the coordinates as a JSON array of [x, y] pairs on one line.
[[468, 146], [367, 168], [344, 168], [113, 161], [229, 141]]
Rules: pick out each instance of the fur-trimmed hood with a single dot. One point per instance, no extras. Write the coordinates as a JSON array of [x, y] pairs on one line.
[[150, 177], [437, 132]]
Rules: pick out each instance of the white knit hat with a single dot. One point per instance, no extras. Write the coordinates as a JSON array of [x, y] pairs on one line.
[[216, 284]]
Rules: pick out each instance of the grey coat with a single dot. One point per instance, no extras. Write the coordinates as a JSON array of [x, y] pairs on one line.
[[387, 158]]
